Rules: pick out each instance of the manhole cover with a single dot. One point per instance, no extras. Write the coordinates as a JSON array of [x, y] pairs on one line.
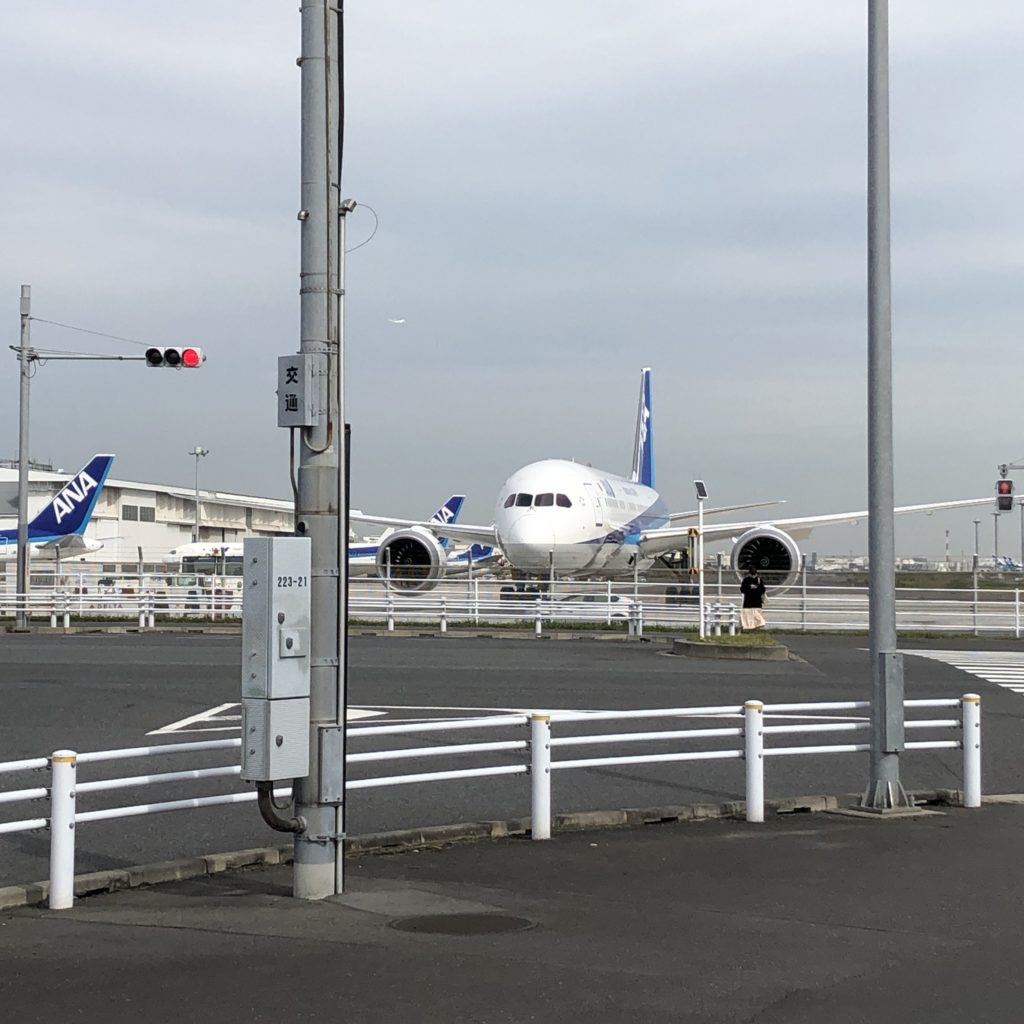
[[462, 924]]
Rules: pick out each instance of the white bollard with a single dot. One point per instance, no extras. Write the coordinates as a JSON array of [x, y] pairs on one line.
[[63, 773], [970, 705], [151, 609], [540, 776], [753, 752], [717, 612], [141, 598], [67, 611], [444, 616], [639, 618], [537, 622], [53, 611], [732, 620], [391, 614]]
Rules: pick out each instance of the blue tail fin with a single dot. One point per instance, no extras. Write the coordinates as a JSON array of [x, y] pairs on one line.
[[448, 513], [643, 446], [72, 506]]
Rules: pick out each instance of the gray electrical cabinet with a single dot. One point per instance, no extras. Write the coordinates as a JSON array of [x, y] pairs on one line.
[[275, 658]]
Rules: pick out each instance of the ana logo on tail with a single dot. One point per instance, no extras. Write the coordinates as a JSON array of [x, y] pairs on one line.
[[64, 503]]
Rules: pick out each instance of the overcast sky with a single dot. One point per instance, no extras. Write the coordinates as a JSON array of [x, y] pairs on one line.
[[567, 191]]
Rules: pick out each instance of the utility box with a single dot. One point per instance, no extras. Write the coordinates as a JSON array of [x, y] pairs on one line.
[[275, 617], [275, 739], [275, 658]]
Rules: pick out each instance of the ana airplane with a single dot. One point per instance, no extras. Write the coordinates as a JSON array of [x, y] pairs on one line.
[[362, 554], [57, 531], [564, 519]]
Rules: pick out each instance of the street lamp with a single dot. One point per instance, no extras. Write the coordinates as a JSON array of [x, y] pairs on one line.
[[702, 493], [977, 523], [198, 452]]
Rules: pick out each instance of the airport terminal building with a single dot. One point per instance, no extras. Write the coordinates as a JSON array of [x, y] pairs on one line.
[[139, 524]]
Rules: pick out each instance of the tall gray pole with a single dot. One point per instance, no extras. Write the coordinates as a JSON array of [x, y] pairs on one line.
[[317, 871], [995, 535], [21, 616], [1021, 503], [884, 791], [198, 452]]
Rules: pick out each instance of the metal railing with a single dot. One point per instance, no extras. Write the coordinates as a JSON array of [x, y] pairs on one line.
[[634, 607], [747, 740]]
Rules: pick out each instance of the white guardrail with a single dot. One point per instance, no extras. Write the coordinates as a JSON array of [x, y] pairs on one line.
[[748, 740], [823, 608]]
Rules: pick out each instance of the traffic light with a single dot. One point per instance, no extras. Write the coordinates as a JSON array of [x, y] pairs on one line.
[[1004, 495], [176, 358]]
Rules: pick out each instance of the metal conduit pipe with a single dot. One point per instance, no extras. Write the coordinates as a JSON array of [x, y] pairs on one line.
[[266, 804]]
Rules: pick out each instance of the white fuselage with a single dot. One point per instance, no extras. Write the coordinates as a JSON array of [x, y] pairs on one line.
[[574, 520]]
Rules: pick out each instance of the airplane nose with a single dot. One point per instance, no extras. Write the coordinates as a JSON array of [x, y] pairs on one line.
[[528, 541]]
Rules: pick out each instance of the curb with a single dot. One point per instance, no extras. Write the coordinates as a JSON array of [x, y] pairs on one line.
[[439, 836], [731, 652]]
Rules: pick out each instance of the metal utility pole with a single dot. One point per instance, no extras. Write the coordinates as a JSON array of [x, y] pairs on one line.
[[319, 798], [24, 361], [198, 452], [995, 536], [885, 791]]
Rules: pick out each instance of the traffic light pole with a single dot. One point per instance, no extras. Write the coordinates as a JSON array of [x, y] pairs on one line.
[[26, 356], [884, 791], [319, 867], [21, 615]]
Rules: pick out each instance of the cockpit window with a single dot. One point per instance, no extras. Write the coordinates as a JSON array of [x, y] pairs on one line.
[[510, 501], [524, 500], [563, 500], [543, 500]]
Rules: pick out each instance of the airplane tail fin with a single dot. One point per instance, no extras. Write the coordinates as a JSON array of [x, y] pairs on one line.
[[643, 446], [448, 513], [71, 508]]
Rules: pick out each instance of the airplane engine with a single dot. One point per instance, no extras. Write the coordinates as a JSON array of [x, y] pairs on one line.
[[773, 553], [411, 560]]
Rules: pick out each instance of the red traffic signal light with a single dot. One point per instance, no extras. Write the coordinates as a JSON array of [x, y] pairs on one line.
[[176, 358], [1004, 495]]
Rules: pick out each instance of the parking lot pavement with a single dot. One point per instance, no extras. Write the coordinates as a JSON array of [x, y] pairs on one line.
[[805, 918]]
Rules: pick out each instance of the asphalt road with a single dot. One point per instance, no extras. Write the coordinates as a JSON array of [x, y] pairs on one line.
[[94, 692]]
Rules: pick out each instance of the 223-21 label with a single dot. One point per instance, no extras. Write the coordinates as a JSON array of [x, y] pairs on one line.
[[293, 581]]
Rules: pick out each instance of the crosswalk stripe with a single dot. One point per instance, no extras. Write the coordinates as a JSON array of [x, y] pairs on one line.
[[1004, 668]]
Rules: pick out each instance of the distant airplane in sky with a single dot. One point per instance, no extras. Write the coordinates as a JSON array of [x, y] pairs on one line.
[[399, 321], [56, 532], [566, 519]]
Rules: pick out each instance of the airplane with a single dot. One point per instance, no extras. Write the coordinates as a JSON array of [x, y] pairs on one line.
[[362, 554], [562, 519], [57, 531]]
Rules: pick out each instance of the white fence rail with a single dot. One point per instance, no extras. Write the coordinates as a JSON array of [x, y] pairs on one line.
[[747, 740], [146, 603]]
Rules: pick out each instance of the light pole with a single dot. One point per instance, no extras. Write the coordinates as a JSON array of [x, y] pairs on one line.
[[24, 358], [198, 452], [702, 493], [995, 537], [977, 523], [1021, 503]]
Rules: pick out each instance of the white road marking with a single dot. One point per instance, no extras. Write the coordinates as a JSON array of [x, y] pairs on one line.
[[1004, 668], [214, 720]]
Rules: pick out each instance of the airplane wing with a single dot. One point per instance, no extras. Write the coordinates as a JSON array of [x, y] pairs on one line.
[[454, 531], [681, 517], [671, 538]]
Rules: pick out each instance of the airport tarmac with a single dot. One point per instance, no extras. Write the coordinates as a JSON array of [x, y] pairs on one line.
[[94, 692]]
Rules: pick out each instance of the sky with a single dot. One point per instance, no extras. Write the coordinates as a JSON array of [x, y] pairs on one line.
[[566, 192]]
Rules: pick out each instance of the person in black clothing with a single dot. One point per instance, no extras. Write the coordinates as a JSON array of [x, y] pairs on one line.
[[752, 589]]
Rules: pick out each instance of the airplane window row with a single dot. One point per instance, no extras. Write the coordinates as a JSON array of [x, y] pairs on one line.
[[537, 501]]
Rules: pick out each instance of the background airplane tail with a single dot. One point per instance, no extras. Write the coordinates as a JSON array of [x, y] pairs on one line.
[[643, 445], [72, 506], [448, 513]]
